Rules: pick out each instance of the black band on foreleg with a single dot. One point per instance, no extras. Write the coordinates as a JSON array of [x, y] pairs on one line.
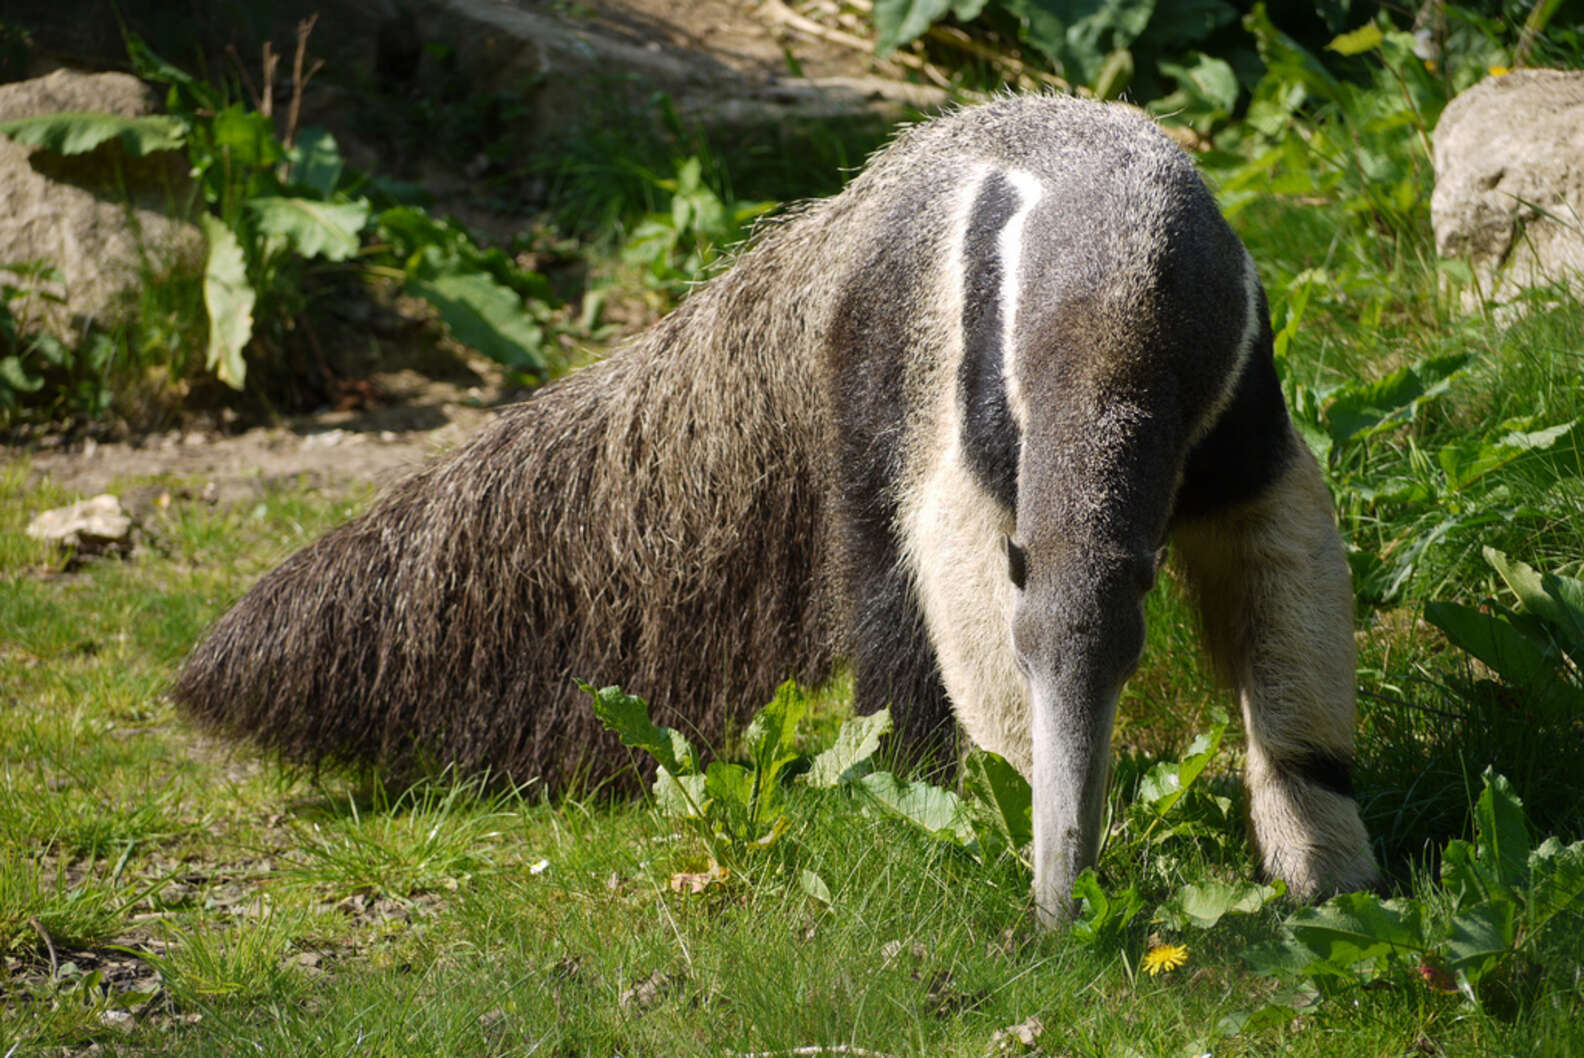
[[1326, 769]]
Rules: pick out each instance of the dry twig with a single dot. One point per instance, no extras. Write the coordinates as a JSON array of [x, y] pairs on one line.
[[48, 944], [300, 79]]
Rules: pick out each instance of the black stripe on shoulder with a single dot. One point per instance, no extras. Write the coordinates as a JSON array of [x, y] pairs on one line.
[[989, 435], [1249, 447], [1323, 768]]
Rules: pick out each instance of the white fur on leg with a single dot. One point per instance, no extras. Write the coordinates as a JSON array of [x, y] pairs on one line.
[[1274, 592]]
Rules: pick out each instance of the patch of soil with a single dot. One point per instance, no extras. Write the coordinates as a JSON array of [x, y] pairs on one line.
[[334, 451], [760, 40]]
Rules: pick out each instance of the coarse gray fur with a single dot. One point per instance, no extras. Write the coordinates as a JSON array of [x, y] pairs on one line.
[[940, 425]]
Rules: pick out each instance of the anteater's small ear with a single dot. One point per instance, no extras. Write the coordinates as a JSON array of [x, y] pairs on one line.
[[1017, 564]]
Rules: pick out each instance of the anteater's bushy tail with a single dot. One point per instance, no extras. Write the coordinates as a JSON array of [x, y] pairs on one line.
[[655, 520]]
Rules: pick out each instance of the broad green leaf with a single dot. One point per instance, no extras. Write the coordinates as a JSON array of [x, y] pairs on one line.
[[1097, 26], [855, 744], [1463, 875], [1567, 614], [772, 733], [1202, 904], [651, 241], [1525, 583], [1102, 917], [997, 785], [899, 22], [627, 715], [1368, 407], [1519, 660], [699, 212], [316, 161], [1555, 598], [1288, 65], [1557, 880], [938, 812], [1465, 462], [729, 784], [228, 298], [246, 138], [311, 227], [814, 886], [1284, 957], [1210, 85], [1094, 907], [1166, 782], [430, 248], [680, 796], [1278, 1010], [483, 314], [1367, 37], [1355, 927], [1080, 34], [1501, 837], [1480, 937], [14, 375], [76, 133], [1307, 417]]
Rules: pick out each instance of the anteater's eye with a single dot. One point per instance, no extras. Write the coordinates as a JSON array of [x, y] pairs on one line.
[[1017, 564]]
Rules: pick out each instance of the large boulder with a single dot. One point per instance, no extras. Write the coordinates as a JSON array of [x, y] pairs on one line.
[[1509, 193], [102, 219]]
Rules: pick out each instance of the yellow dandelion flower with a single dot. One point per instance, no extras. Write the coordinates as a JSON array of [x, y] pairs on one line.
[[1163, 958], [1499, 71]]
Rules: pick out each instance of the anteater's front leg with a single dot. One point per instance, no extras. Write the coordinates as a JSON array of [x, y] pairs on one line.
[[1274, 592]]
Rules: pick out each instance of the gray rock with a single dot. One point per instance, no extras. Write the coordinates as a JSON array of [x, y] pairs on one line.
[[89, 527], [1509, 194], [67, 90], [101, 218]]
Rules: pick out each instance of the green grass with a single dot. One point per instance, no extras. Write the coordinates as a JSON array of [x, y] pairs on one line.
[[244, 907], [298, 914]]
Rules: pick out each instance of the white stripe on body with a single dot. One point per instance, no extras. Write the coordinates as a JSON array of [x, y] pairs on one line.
[[1009, 247], [953, 530]]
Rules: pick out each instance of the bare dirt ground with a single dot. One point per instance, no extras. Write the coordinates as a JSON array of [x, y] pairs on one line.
[[331, 450], [752, 38]]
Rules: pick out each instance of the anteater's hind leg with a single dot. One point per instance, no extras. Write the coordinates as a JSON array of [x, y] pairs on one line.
[[1277, 606]]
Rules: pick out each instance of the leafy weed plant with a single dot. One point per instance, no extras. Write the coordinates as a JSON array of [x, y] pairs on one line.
[[284, 219], [1479, 936]]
